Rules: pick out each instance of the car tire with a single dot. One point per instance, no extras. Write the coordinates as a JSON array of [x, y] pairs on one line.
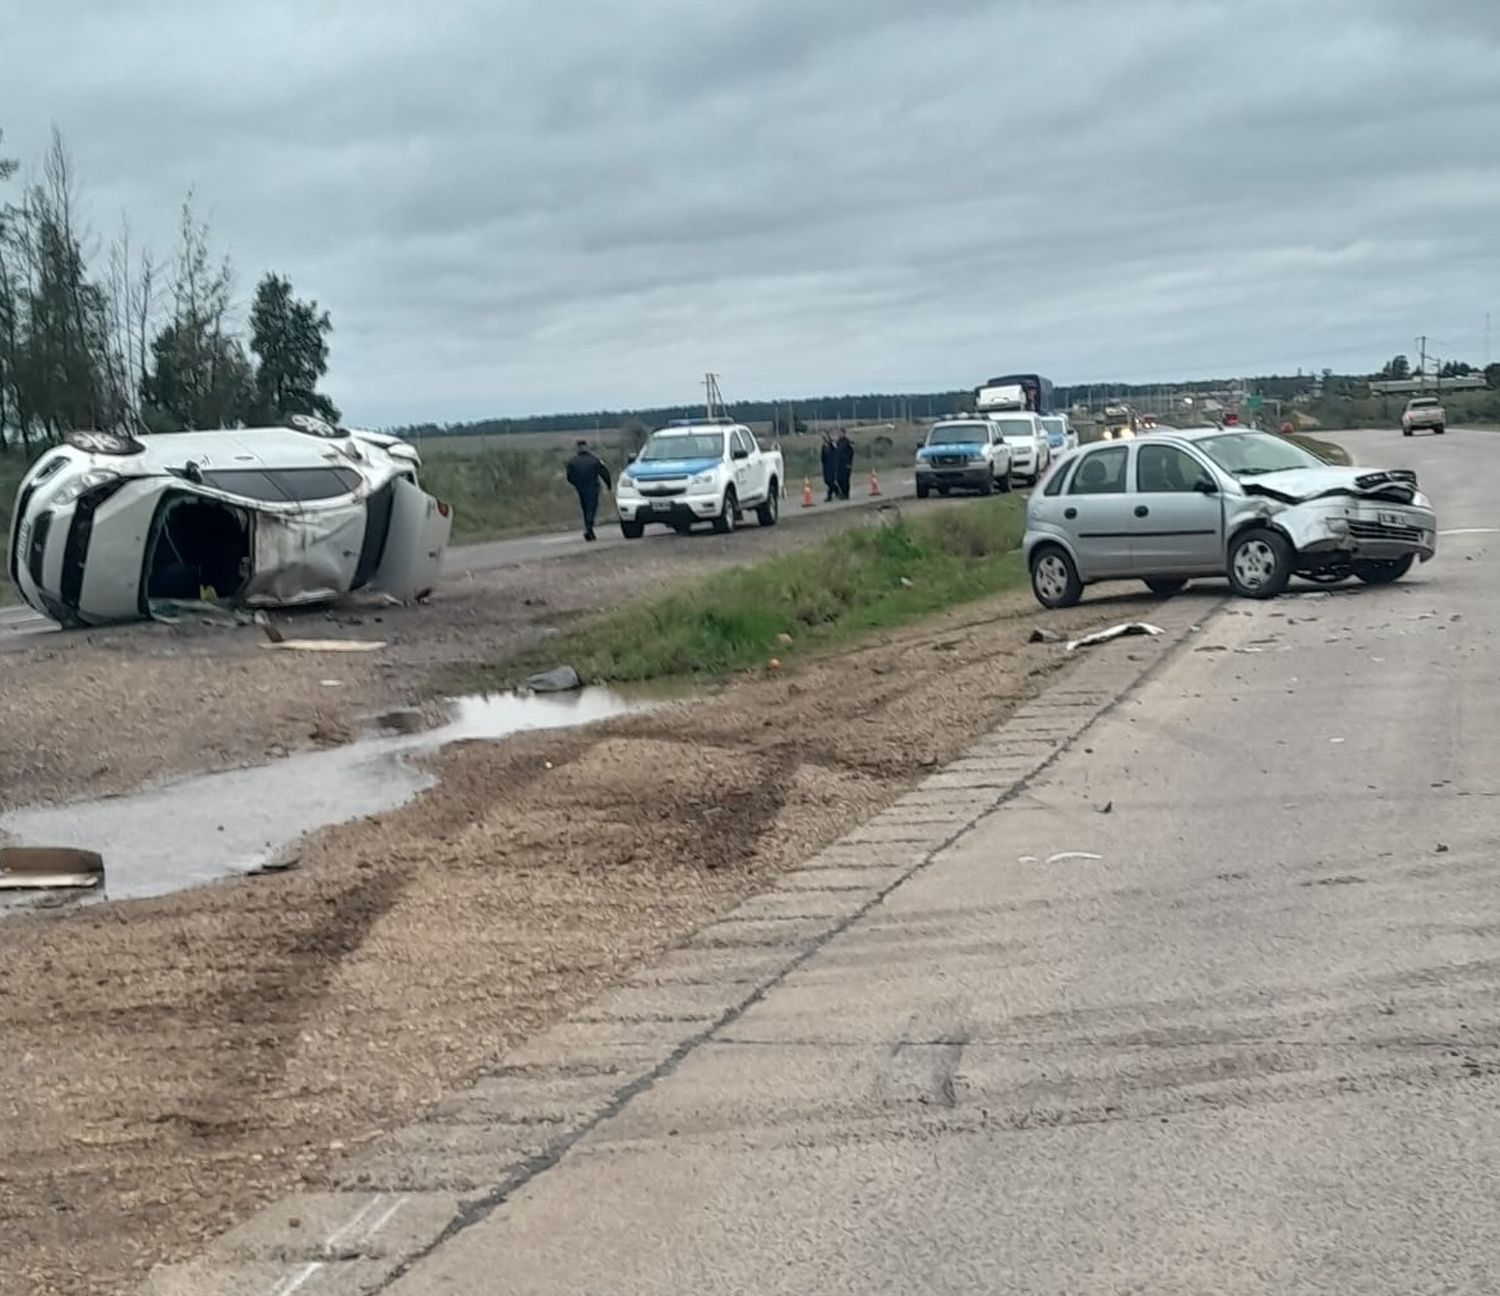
[[1166, 588], [1260, 563], [1406, 431], [632, 530], [767, 513], [1054, 577], [922, 490], [1439, 430], [724, 523], [945, 491], [1385, 572]]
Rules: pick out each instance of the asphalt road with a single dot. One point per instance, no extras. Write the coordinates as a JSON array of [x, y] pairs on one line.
[[1247, 1041], [462, 560]]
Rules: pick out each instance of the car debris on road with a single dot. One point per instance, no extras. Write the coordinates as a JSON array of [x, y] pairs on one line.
[[110, 528]]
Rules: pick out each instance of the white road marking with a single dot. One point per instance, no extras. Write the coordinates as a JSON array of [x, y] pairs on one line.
[[295, 1282], [1471, 531], [332, 1241], [384, 1219]]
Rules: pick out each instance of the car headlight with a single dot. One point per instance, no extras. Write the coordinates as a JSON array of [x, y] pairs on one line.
[[85, 482], [699, 480], [627, 486]]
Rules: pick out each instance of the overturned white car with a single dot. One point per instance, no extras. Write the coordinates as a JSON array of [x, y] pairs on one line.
[[108, 526]]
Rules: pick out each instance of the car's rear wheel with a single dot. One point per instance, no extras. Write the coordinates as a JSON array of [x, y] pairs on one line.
[[724, 523], [1166, 588], [1260, 563], [922, 489], [1054, 577], [1385, 572], [767, 513], [632, 530]]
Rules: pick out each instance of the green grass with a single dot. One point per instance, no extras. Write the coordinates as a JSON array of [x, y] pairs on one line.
[[873, 577]]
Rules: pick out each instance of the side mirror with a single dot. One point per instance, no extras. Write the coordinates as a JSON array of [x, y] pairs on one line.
[[1206, 486], [740, 454]]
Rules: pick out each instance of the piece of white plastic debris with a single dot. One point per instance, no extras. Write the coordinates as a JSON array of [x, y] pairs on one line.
[[1062, 857], [1114, 632], [1335, 741], [1028, 859]]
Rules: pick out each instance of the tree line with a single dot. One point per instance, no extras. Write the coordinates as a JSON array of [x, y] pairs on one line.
[[118, 339]]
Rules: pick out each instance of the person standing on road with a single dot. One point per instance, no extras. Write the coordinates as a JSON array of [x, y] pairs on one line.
[[830, 456], [586, 471], [844, 449]]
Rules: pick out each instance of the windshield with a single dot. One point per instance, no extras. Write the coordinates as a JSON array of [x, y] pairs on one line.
[[701, 445], [1423, 402], [1015, 429], [958, 434], [1248, 454], [1055, 425]]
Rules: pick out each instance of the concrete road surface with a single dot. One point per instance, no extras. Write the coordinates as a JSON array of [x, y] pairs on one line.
[[1243, 1037]]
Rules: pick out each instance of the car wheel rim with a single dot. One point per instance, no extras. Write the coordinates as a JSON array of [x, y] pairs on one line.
[[1254, 564], [1052, 577]]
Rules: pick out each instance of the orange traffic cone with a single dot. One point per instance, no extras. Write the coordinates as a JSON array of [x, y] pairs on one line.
[[874, 484], [807, 500]]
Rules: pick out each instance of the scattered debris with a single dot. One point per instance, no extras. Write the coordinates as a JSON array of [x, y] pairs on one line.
[[1114, 632], [323, 645], [1027, 859], [176, 611], [406, 720], [907, 582], [1106, 808], [48, 868], [272, 633], [1062, 857], [1337, 741], [1042, 635], [1442, 848], [784, 639], [331, 683], [560, 679], [275, 866]]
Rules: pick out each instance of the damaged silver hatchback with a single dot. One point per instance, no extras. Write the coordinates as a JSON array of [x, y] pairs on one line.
[[1212, 501], [108, 528]]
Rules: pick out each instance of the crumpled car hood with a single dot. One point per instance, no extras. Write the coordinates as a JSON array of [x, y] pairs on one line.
[[1298, 485]]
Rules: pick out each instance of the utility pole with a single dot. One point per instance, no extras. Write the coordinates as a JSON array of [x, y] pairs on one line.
[[1422, 362]]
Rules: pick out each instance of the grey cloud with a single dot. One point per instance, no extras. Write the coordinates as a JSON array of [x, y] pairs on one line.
[[522, 205]]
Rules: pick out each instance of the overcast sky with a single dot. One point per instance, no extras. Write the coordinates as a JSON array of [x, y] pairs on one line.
[[517, 205]]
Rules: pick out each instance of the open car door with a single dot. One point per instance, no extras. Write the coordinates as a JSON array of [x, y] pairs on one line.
[[414, 546]]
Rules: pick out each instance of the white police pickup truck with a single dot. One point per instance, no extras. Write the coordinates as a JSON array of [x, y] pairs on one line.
[[699, 471]]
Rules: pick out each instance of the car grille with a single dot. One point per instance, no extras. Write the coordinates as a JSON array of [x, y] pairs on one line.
[[1380, 531], [36, 547], [662, 492], [950, 461]]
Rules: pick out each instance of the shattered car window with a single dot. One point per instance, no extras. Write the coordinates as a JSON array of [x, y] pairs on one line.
[[1248, 454], [284, 485]]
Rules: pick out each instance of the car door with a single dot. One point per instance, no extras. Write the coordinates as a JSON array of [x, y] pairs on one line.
[[1096, 510], [744, 471], [1177, 528]]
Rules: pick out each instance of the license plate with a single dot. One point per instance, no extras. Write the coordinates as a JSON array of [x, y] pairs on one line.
[[1393, 519], [661, 506]]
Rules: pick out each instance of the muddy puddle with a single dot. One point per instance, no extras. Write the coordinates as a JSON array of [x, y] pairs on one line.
[[211, 826]]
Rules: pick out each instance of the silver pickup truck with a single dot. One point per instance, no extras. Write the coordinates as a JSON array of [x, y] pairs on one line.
[[1424, 412]]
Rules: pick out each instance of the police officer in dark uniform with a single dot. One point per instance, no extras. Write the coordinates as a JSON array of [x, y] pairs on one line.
[[585, 473]]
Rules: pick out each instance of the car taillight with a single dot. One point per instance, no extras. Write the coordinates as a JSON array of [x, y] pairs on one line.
[[443, 509]]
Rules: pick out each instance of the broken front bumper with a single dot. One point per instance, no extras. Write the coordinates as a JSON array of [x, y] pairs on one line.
[[1374, 530]]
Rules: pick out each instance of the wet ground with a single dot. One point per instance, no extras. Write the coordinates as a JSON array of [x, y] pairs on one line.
[[202, 829]]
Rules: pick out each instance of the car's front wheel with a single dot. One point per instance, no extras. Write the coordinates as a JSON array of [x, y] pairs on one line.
[[1439, 429], [1054, 577], [1260, 563], [922, 489], [768, 512], [724, 523], [1385, 572], [632, 530]]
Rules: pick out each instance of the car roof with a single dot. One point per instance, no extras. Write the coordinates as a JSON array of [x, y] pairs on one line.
[[698, 429]]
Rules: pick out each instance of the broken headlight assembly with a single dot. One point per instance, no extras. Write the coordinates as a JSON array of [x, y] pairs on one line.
[[92, 441], [83, 483]]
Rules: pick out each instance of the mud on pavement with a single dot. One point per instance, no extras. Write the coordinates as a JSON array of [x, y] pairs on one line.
[[172, 1064]]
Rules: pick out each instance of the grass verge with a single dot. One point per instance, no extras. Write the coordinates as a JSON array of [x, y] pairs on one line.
[[1323, 449], [873, 577]]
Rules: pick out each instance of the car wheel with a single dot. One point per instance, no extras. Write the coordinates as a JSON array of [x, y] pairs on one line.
[[1260, 563], [724, 523], [766, 514], [922, 489], [1439, 429], [1406, 431], [945, 491], [1054, 578], [1385, 572], [632, 530], [1166, 588]]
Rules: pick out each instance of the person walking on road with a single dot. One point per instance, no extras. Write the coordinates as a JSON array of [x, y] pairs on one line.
[[586, 471], [844, 449], [830, 457]]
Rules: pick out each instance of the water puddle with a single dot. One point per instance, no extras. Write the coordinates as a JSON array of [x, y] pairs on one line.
[[211, 826]]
